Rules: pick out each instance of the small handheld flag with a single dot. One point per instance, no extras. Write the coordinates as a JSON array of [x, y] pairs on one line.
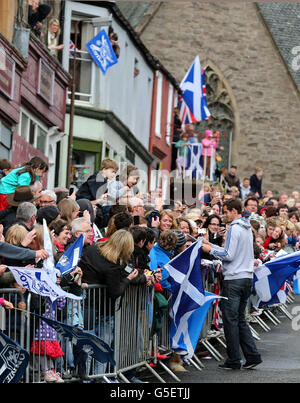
[[71, 257]]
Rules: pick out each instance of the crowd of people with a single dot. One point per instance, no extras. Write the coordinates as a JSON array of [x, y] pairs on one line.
[[129, 236]]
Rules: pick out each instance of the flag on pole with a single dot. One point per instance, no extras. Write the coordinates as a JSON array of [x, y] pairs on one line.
[[84, 339], [270, 277], [189, 302], [70, 258], [13, 360], [194, 93]]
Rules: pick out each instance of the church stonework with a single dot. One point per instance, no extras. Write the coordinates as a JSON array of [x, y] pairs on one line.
[[234, 38]]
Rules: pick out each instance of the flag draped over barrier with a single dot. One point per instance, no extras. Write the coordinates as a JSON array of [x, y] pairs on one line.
[[13, 360], [194, 95], [84, 339], [296, 282], [189, 303], [270, 277], [194, 159]]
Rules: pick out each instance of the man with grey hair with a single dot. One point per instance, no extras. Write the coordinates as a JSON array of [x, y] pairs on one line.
[[26, 215], [80, 226], [36, 189], [48, 198]]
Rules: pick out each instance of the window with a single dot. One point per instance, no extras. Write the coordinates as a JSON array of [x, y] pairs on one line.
[[107, 151], [130, 155], [33, 132], [82, 68], [169, 116], [5, 141]]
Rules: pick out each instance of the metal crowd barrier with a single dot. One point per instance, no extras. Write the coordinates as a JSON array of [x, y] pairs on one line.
[[124, 324]]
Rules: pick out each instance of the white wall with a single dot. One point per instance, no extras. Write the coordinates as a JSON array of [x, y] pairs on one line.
[[118, 91]]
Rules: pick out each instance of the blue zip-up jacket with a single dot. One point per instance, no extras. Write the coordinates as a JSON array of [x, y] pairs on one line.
[[237, 254], [158, 258]]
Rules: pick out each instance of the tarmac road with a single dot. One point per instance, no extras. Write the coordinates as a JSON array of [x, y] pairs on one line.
[[280, 351]]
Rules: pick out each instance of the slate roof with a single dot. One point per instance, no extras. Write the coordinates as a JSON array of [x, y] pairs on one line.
[[283, 21], [134, 11]]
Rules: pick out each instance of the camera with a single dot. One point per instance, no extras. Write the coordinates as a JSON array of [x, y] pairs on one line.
[[129, 269], [202, 231]]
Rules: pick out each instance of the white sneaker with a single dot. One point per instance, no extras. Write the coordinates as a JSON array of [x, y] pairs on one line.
[[58, 377], [49, 376]]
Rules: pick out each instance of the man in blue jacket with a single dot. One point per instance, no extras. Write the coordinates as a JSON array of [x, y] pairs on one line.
[[238, 265]]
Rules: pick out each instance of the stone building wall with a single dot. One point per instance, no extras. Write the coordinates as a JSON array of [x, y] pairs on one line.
[[234, 37]]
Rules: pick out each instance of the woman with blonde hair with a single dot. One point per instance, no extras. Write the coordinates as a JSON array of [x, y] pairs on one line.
[[16, 234], [105, 263], [53, 37]]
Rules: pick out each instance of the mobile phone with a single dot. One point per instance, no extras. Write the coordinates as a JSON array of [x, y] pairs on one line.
[[129, 269], [71, 191], [223, 225]]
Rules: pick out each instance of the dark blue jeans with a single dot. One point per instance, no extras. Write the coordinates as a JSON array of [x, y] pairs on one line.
[[236, 330]]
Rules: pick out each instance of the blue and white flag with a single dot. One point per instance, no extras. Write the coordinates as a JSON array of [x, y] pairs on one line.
[[194, 91], [193, 160], [84, 339], [102, 51], [296, 282], [188, 296], [186, 335], [270, 277], [70, 258], [39, 282], [13, 360]]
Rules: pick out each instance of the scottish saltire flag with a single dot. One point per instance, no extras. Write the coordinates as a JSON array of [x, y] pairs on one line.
[[70, 258], [279, 297], [194, 92], [13, 360], [188, 296], [39, 282], [185, 336], [193, 160], [101, 51], [270, 277], [84, 339]]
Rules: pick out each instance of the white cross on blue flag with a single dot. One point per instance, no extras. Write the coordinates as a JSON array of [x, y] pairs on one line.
[[102, 51], [270, 277], [189, 303]]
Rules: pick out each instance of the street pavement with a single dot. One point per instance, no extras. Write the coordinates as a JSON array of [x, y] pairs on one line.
[[280, 351]]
